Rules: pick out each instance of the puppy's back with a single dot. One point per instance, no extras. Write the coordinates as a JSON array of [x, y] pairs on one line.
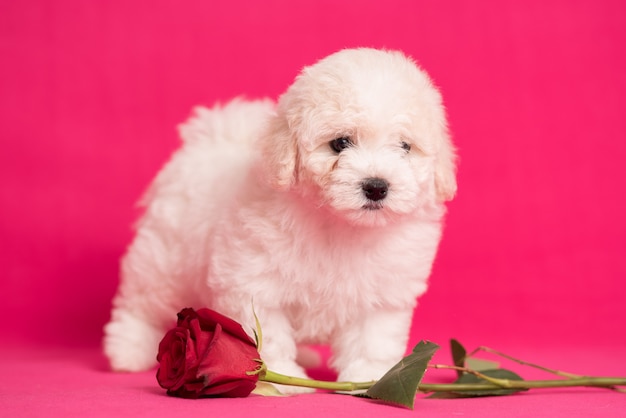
[[196, 185], [237, 122]]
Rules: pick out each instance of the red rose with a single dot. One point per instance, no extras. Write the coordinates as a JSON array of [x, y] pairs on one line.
[[207, 354]]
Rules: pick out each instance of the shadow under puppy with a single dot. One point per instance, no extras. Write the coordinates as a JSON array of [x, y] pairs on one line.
[[325, 210]]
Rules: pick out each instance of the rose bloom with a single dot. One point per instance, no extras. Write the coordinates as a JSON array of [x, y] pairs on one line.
[[207, 355]]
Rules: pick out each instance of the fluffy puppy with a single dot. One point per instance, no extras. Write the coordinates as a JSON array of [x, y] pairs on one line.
[[325, 211]]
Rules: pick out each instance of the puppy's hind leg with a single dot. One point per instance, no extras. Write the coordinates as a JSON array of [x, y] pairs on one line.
[[144, 307], [130, 343]]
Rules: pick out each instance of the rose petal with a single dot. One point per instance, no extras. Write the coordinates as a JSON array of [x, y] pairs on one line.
[[172, 358], [228, 358], [230, 389], [209, 318], [202, 339]]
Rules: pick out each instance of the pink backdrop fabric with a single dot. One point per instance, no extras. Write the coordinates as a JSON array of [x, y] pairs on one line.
[[533, 257]]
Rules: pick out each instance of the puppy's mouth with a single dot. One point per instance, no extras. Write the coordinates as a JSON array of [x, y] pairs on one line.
[[373, 205]]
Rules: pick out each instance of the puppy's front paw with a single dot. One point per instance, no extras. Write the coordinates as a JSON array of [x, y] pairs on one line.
[[293, 370], [362, 371], [365, 371]]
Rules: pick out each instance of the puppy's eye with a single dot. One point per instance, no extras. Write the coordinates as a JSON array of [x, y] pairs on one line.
[[339, 144], [406, 146]]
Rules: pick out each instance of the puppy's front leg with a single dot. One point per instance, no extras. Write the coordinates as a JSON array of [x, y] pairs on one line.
[[371, 345], [278, 346]]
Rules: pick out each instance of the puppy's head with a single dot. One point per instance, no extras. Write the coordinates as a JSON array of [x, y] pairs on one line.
[[364, 133]]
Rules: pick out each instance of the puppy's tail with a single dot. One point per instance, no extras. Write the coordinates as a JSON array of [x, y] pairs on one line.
[[238, 121]]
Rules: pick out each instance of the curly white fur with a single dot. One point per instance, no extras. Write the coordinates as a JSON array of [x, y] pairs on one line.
[[258, 206]]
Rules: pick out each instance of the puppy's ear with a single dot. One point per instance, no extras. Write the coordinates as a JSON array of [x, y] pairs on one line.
[[279, 153], [445, 169]]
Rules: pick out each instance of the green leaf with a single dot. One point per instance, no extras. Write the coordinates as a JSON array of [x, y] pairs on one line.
[[399, 385], [458, 355], [460, 359], [496, 373], [479, 364], [445, 395]]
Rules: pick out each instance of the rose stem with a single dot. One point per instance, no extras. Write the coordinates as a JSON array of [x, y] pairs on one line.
[[524, 363], [272, 377], [602, 382]]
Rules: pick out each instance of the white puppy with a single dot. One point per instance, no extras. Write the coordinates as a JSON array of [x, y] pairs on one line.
[[325, 212]]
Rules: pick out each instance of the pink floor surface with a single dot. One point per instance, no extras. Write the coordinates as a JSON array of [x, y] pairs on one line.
[[71, 382]]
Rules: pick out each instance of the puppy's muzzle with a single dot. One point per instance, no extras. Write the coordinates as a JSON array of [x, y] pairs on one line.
[[375, 190]]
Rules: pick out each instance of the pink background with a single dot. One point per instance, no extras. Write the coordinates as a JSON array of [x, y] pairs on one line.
[[533, 257]]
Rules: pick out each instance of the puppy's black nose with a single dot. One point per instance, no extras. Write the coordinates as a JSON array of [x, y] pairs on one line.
[[375, 189]]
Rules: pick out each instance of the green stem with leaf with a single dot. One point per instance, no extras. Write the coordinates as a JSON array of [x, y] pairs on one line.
[[600, 382], [491, 382]]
